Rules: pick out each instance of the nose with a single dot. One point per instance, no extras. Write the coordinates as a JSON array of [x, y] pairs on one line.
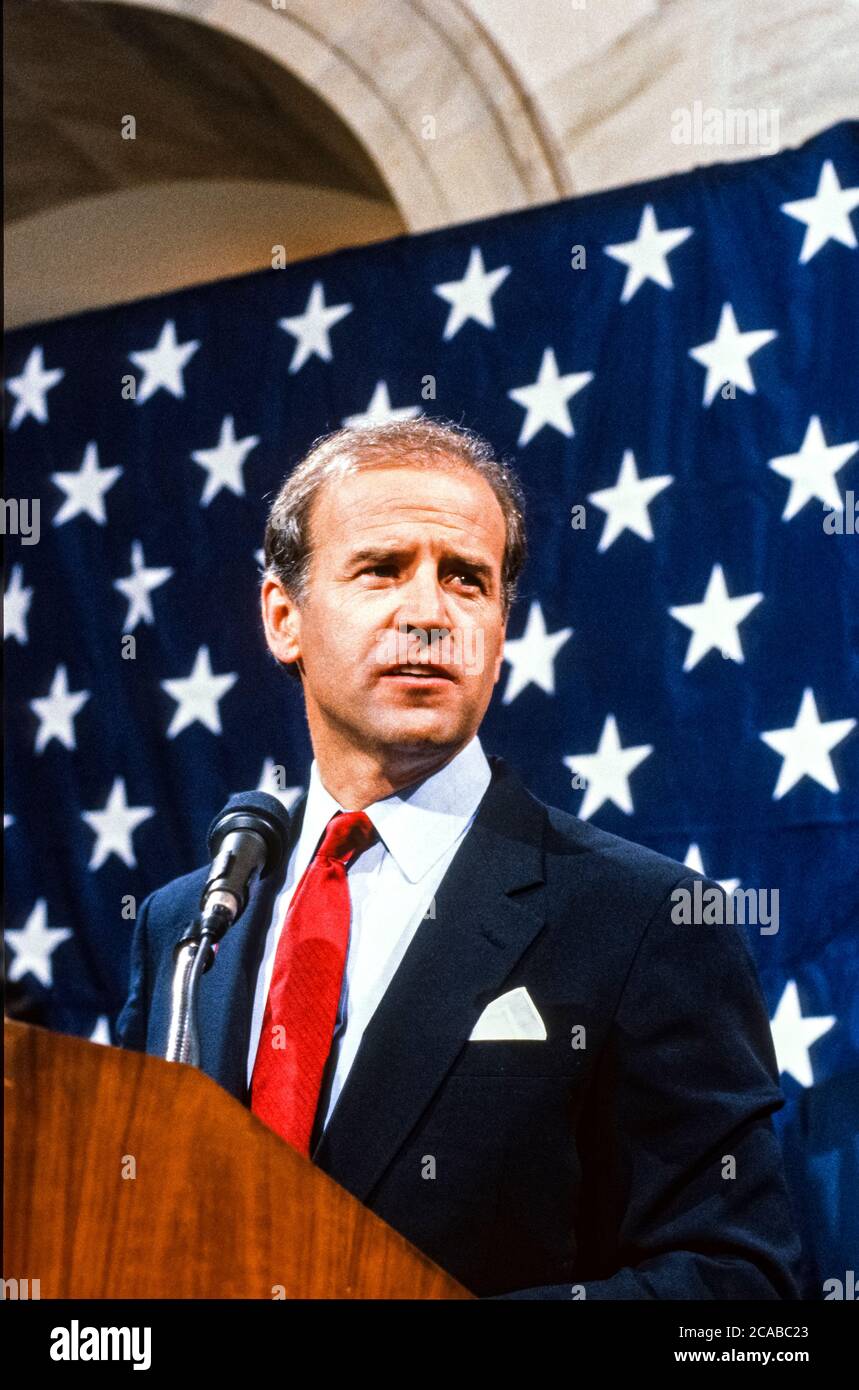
[[423, 602]]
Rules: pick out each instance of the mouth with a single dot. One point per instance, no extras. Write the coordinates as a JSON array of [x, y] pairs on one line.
[[424, 674]]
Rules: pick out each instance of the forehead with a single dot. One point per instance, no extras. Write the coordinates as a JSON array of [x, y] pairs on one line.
[[379, 500]]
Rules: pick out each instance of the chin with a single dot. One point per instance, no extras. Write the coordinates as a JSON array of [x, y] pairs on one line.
[[414, 729]]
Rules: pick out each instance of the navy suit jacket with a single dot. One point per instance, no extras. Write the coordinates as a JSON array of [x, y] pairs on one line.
[[561, 1171]]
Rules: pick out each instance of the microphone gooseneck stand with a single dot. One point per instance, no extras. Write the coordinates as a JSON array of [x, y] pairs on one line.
[[195, 954]]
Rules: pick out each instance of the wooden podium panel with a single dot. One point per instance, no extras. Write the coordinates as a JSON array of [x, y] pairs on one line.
[[130, 1177]]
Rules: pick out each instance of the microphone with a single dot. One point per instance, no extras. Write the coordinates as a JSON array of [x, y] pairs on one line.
[[246, 840]]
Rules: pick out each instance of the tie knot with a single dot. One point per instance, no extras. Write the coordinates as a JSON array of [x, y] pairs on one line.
[[347, 835]]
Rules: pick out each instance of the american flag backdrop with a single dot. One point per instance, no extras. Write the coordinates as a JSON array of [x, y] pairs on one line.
[[673, 369]]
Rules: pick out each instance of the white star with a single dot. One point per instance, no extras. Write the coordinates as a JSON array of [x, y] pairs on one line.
[[16, 606], [715, 621], [606, 772], [546, 400], [224, 464], [794, 1034], [647, 256], [471, 297], [812, 471], [270, 782], [8, 821], [31, 388], [163, 365], [380, 411], [806, 746], [626, 503], [114, 826], [726, 357], [310, 329], [101, 1031], [85, 489], [198, 695], [57, 711], [694, 862], [826, 215], [34, 944], [137, 588], [532, 655]]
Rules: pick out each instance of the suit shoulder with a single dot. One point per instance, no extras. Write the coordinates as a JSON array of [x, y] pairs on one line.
[[619, 859], [598, 876], [574, 846]]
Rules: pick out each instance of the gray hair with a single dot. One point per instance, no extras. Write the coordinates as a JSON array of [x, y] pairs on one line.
[[420, 443]]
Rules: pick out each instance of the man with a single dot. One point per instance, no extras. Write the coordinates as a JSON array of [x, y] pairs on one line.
[[477, 1014]]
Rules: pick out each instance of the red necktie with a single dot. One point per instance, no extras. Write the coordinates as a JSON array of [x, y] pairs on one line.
[[301, 1008]]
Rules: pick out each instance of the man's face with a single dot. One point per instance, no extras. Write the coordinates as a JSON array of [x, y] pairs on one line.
[[401, 635]]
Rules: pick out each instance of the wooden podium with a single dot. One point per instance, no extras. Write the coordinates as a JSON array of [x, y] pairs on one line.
[[130, 1177]]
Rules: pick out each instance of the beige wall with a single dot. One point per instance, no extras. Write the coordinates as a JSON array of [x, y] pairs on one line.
[[464, 107], [81, 255]]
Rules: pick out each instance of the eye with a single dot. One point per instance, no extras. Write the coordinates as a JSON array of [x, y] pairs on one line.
[[383, 567], [468, 578]]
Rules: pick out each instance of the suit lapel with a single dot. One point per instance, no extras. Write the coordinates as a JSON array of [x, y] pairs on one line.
[[453, 966], [226, 996]]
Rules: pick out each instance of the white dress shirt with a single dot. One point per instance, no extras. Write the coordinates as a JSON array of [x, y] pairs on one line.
[[391, 887]]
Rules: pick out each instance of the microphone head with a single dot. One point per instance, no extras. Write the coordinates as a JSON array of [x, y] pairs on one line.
[[256, 811]]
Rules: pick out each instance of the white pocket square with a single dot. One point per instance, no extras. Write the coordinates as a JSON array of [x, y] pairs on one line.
[[510, 1016]]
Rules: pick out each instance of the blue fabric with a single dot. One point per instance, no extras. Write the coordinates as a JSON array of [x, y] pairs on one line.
[[710, 778]]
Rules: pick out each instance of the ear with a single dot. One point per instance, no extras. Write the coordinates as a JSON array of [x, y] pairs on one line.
[[500, 657], [282, 622]]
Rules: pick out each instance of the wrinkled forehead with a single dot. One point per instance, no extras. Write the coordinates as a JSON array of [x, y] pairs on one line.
[[407, 501]]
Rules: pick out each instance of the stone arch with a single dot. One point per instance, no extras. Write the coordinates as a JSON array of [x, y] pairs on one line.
[[384, 72]]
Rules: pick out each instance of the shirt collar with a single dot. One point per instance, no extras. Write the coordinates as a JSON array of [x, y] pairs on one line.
[[416, 825]]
